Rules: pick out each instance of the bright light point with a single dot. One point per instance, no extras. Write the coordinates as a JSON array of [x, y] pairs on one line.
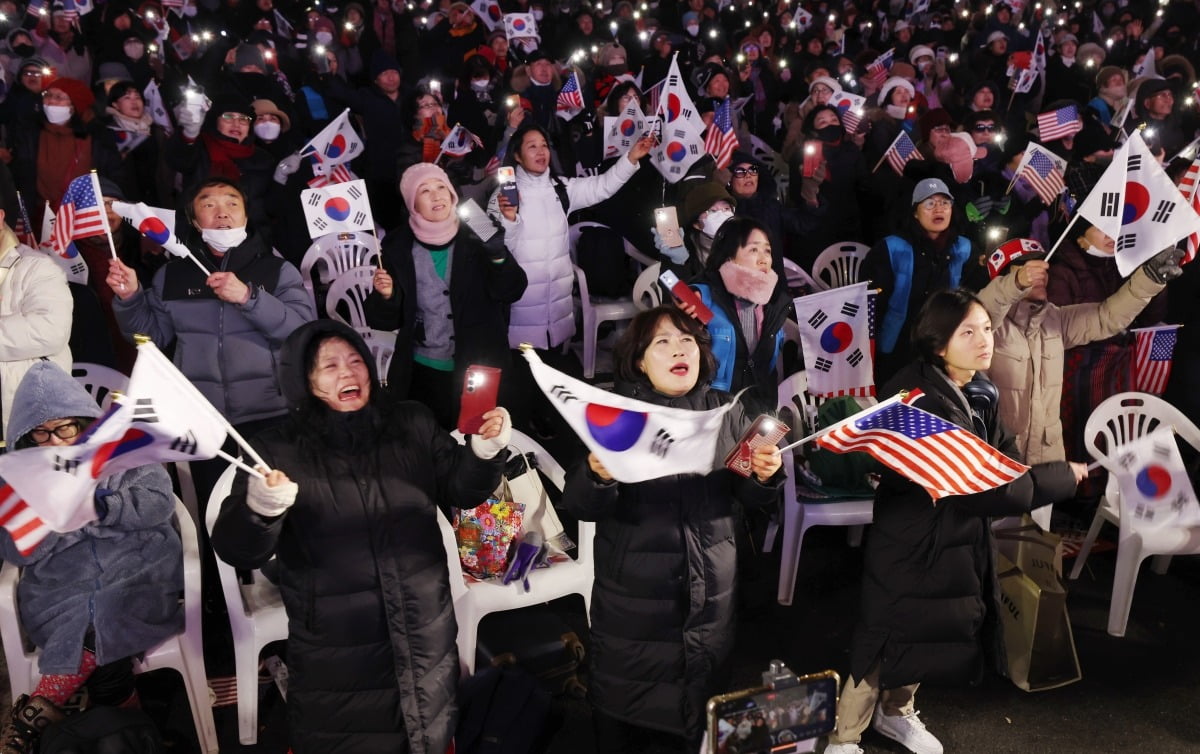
[[1149, 133], [1091, 63], [809, 149], [463, 212], [998, 138], [954, 57], [712, 33], [643, 36], [832, 17], [1108, 43], [1187, 101], [783, 64], [320, 50], [747, 24], [993, 234]]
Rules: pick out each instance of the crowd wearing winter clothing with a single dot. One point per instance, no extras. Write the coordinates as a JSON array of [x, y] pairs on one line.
[[902, 129]]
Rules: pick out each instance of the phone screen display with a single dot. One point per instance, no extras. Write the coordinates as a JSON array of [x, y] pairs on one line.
[[766, 721]]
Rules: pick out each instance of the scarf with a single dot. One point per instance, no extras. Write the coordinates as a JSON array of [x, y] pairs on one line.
[[745, 283], [129, 132], [431, 233], [62, 156], [222, 152]]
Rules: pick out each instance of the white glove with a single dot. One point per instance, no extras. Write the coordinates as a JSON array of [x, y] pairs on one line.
[[488, 449], [270, 502], [286, 167], [677, 254], [191, 118]]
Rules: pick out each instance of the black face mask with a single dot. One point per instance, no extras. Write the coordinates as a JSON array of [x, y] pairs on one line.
[[830, 134], [24, 51]]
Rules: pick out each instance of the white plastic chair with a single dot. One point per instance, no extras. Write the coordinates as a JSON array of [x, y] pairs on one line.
[[798, 518], [595, 311], [1118, 420], [838, 264], [382, 344], [646, 293], [256, 618], [476, 599], [347, 296], [798, 279], [336, 253], [99, 381], [183, 652], [574, 231]]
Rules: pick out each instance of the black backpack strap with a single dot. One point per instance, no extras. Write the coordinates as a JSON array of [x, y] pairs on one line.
[[560, 188]]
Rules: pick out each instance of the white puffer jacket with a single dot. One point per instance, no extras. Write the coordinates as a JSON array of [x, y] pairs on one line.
[[35, 315], [545, 315]]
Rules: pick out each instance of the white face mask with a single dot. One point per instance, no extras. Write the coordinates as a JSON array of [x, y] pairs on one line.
[[267, 130], [899, 112], [693, 29], [222, 240], [538, 13], [135, 50], [324, 37], [481, 85], [714, 220], [57, 114]]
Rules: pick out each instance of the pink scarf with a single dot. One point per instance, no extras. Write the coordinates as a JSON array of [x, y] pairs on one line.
[[745, 283], [433, 233]]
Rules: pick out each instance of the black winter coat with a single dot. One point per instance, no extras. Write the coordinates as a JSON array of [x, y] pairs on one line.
[[481, 292], [929, 599], [666, 567], [371, 631]]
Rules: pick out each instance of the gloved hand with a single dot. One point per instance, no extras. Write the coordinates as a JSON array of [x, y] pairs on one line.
[[1164, 266], [190, 118], [677, 254], [286, 167], [487, 448], [272, 496]]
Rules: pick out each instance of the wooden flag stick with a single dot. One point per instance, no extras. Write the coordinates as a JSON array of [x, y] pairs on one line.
[[241, 465], [112, 247], [1066, 230]]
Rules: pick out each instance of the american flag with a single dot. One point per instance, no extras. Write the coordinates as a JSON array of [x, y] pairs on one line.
[[872, 295], [901, 151], [570, 98], [941, 457], [1187, 185], [1152, 358], [80, 215], [653, 95], [877, 71], [1044, 174], [326, 175], [22, 523], [37, 7], [1060, 123], [720, 141], [850, 109]]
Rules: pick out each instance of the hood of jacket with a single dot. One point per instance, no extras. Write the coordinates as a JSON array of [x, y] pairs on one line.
[[47, 392], [292, 372]]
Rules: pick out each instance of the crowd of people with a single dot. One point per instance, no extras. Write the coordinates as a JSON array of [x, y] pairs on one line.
[[205, 107]]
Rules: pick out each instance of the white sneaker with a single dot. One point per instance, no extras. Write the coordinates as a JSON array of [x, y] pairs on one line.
[[850, 748], [908, 730]]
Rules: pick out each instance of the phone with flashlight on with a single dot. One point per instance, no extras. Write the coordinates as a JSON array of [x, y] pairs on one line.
[[481, 386]]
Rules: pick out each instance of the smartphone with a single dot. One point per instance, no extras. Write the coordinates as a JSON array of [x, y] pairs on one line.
[[508, 185], [942, 52], [481, 385], [435, 86], [813, 154], [477, 220], [684, 293], [766, 430], [320, 61], [773, 720], [666, 221]]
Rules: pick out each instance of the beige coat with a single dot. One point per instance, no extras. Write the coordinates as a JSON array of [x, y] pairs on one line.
[[35, 315], [1031, 340]]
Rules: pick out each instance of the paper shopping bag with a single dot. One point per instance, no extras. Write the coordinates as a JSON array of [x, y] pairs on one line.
[[1037, 630]]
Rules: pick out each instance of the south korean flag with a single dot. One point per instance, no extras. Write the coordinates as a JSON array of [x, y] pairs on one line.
[[1155, 490], [1136, 204], [836, 339]]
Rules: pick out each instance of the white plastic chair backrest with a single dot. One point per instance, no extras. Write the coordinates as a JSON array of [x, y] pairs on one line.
[[798, 279], [99, 381], [585, 298], [382, 345], [838, 264], [336, 253], [793, 394], [229, 577], [1124, 417], [347, 296], [576, 230], [646, 293]]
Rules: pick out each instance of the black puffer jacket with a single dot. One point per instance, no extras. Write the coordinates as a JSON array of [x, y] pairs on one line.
[[666, 565], [929, 596], [371, 629]]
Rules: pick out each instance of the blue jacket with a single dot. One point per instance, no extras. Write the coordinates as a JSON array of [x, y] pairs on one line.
[[736, 367], [900, 256], [121, 574]]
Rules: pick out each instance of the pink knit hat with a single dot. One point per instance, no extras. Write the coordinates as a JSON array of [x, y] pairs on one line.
[[426, 231]]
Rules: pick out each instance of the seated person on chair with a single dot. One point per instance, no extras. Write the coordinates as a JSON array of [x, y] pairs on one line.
[[92, 598]]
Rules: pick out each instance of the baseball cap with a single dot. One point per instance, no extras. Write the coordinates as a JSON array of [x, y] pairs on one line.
[[930, 187]]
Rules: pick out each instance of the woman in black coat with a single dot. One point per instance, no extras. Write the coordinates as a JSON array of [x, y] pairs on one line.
[[372, 657], [446, 321], [930, 600], [666, 561]]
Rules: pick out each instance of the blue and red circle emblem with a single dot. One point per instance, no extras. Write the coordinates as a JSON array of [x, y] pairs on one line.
[[1153, 481], [494, 12], [1137, 201], [336, 146], [674, 107], [837, 337], [154, 229], [614, 428], [337, 208], [628, 127], [676, 151], [518, 24]]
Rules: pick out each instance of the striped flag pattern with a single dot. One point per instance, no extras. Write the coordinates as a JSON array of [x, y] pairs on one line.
[[1153, 357], [1060, 123], [653, 95], [901, 151], [22, 523], [877, 71], [80, 214], [941, 457], [720, 141], [570, 98], [1044, 174], [1188, 184]]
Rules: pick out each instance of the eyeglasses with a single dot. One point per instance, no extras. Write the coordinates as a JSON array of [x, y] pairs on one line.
[[62, 431], [236, 118], [932, 204], [984, 128], [31, 74], [743, 172]]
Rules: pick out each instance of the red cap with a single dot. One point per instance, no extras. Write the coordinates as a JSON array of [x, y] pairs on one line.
[[1009, 251]]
